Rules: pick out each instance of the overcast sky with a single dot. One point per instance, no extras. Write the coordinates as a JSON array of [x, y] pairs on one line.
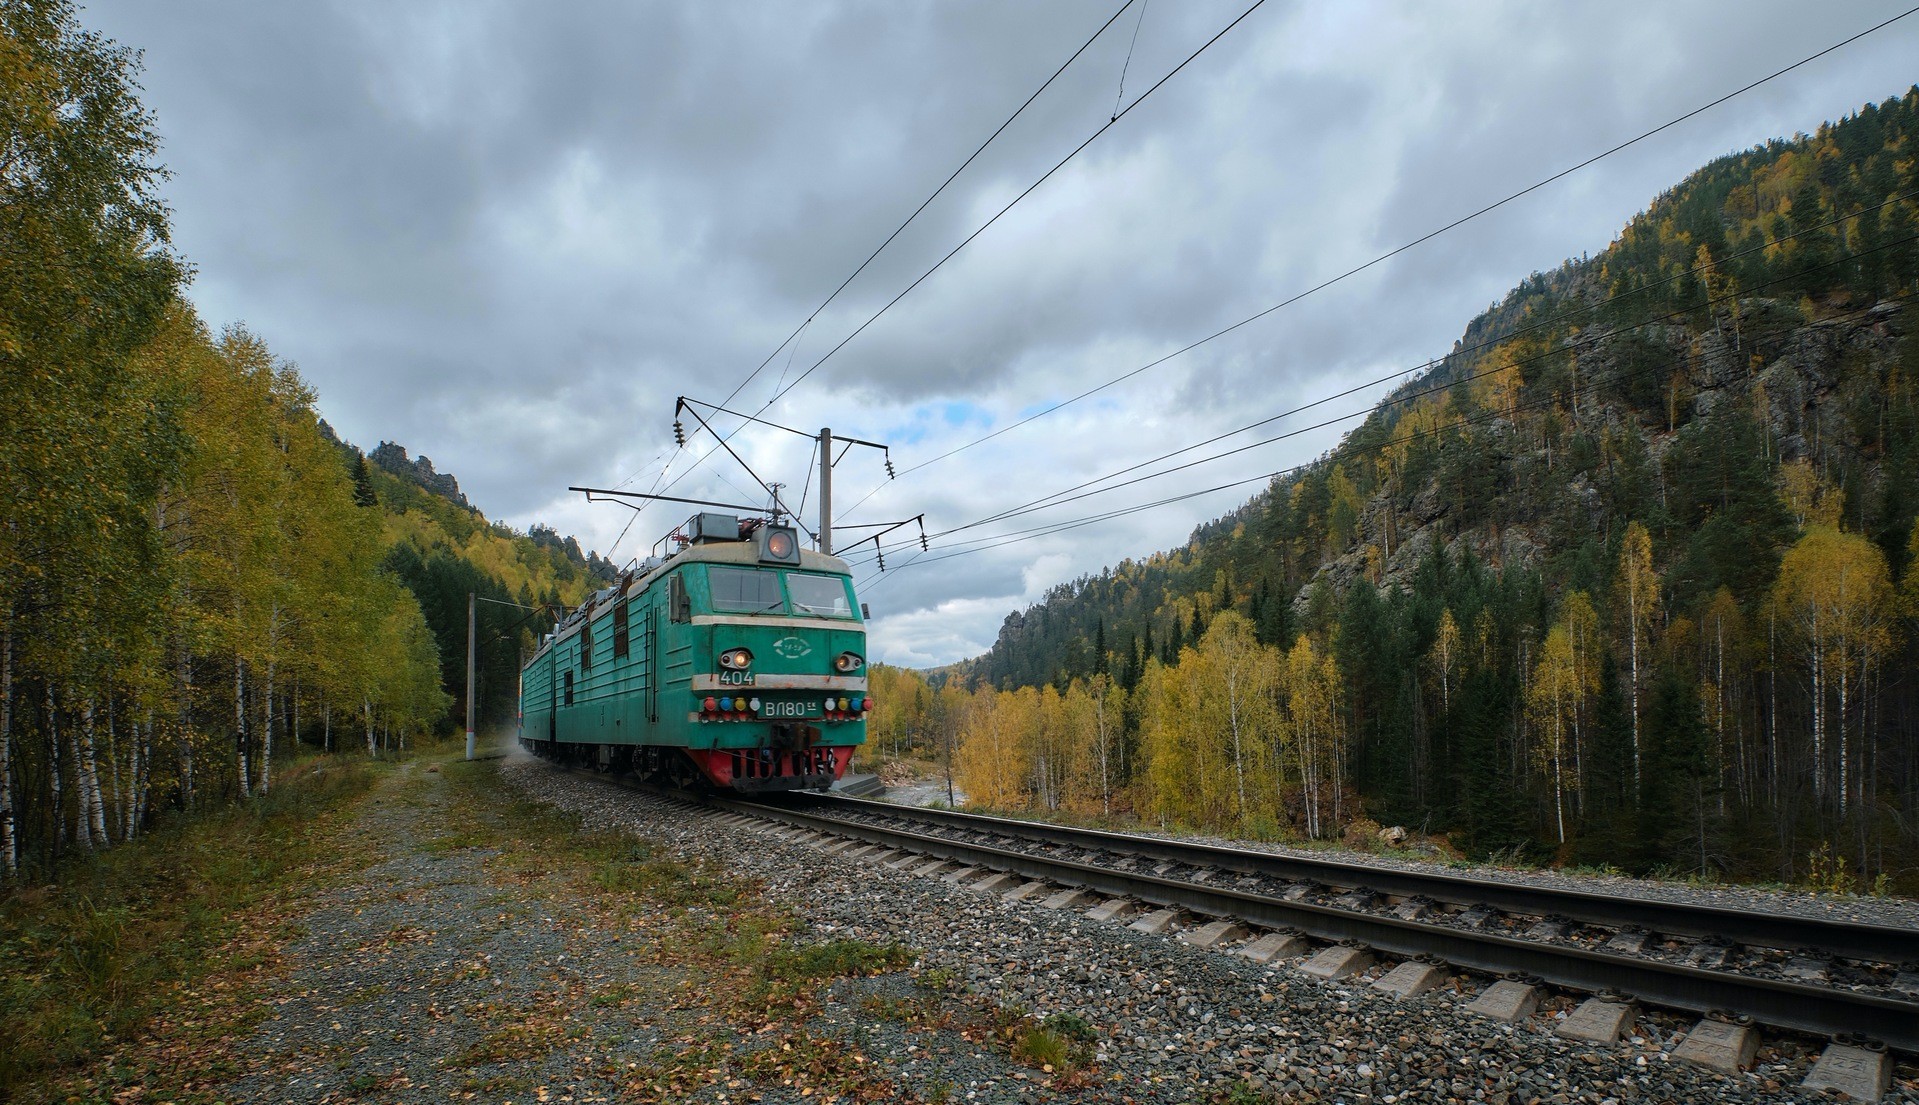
[[507, 235]]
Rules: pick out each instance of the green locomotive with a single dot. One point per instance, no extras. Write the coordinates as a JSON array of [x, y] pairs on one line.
[[735, 661]]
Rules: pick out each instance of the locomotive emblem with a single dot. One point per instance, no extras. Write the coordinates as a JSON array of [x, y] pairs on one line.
[[792, 647]]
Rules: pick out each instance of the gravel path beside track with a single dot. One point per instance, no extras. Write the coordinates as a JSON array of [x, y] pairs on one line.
[[1176, 1023], [426, 979], [450, 971]]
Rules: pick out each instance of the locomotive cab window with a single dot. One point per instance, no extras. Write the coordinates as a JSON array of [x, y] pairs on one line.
[[820, 596], [744, 590]]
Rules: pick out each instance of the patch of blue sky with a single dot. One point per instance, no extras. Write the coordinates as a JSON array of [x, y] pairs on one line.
[[944, 416]]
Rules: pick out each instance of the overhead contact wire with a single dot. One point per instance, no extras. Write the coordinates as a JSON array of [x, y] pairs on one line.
[[1421, 240]]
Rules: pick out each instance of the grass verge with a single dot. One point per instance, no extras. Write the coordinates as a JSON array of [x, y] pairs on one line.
[[89, 960]]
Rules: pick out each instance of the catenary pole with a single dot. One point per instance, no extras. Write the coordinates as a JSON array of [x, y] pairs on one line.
[[470, 604], [826, 490]]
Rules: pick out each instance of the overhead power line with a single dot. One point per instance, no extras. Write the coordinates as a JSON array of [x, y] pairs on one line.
[[1523, 331], [791, 339], [1103, 128], [1421, 240], [1402, 400], [1018, 536]]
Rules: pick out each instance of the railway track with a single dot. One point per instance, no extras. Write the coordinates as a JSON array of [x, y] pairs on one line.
[[1852, 982], [1828, 978]]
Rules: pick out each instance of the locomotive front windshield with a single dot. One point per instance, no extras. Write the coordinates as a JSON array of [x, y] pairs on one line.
[[821, 596], [744, 590], [757, 591]]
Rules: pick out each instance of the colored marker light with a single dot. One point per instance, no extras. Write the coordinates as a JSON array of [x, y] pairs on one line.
[[726, 704], [754, 705], [710, 705]]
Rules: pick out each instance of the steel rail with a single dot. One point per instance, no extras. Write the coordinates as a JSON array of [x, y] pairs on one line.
[[1849, 940], [1779, 1003]]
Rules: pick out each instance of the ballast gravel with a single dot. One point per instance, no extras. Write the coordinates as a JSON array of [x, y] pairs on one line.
[[1174, 1023]]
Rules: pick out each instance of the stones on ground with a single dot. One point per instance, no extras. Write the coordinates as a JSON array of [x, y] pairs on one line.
[[1273, 945], [1413, 909], [1213, 934], [1299, 891], [1546, 928], [1477, 917], [1175, 1027], [1506, 1000], [1863, 1073], [1409, 978], [1719, 1045], [1118, 909], [995, 884], [1358, 898], [1597, 1021], [1709, 956], [1338, 961], [1808, 968], [1629, 941], [1071, 898], [1907, 980], [1156, 922]]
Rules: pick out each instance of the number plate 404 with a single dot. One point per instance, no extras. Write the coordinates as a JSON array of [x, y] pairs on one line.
[[774, 708], [736, 678]]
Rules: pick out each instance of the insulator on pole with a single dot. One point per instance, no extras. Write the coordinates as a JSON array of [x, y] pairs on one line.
[[679, 432]]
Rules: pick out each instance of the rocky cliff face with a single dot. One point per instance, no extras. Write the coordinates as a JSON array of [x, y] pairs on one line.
[[393, 458]]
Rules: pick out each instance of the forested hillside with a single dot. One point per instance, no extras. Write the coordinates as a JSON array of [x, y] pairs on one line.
[[441, 548], [193, 570], [1627, 577]]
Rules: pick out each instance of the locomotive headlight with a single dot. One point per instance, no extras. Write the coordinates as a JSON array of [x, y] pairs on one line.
[[736, 659], [778, 544], [849, 661]]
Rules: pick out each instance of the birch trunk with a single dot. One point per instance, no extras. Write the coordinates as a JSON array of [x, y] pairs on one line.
[[115, 784], [95, 809]]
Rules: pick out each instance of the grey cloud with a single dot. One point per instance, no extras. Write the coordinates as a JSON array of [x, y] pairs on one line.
[[508, 235]]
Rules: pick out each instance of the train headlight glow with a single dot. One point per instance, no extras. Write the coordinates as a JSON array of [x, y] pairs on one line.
[[849, 661], [736, 659]]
